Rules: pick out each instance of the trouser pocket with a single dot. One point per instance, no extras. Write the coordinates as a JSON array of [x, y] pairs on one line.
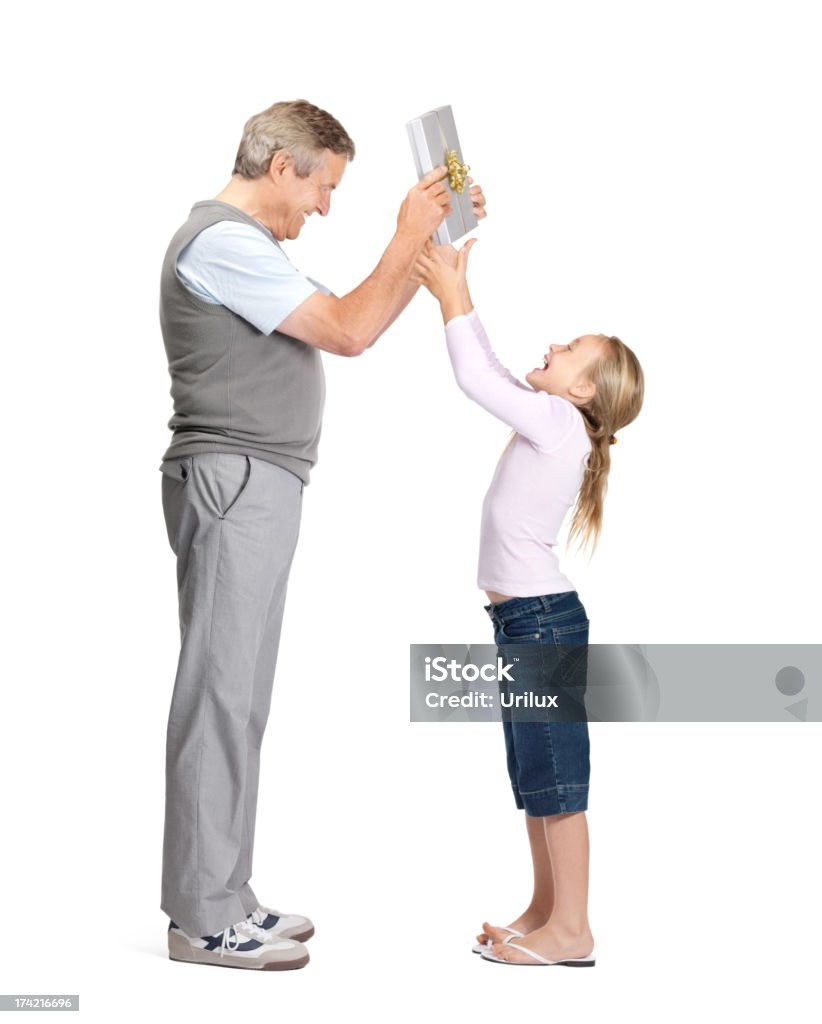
[[220, 481], [174, 488], [232, 477], [177, 469]]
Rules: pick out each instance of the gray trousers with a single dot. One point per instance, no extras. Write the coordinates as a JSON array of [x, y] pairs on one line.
[[233, 523]]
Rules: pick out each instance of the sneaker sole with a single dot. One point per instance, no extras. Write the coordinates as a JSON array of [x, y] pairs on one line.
[[271, 965], [180, 950]]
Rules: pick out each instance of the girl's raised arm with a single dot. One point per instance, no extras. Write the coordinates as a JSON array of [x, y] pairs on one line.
[[482, 337], [545, 420]]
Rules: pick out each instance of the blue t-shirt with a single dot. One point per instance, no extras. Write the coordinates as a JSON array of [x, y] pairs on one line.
[[235, 265]]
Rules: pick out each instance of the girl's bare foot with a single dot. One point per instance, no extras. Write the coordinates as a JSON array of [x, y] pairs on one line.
[[529, 921], [550, 941]]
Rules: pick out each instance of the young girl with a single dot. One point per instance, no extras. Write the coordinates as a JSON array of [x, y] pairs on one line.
[[564, 421]]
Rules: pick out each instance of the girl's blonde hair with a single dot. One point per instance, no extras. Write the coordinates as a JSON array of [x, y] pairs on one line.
[[620, 388]]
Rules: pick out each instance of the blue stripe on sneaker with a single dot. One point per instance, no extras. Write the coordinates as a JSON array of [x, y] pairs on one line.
[[213, 941], [270, 921]]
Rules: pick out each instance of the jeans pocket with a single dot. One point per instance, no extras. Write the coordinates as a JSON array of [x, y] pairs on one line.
[[571, 644], [525, 629]]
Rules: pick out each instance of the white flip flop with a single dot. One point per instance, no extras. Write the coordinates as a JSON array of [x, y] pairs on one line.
[[513, 934], [539, 961]]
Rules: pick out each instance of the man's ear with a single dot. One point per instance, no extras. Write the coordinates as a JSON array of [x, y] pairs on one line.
[[279, 163]]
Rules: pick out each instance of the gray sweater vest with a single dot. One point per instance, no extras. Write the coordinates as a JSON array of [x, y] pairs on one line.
[[235, 389]]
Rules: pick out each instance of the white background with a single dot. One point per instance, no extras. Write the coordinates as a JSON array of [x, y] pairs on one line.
[[652, 170]]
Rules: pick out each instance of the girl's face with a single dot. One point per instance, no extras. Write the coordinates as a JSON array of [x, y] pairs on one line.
[[565, 370]]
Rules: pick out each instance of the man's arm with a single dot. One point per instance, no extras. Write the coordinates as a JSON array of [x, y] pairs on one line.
[[348, 325], [478, 199], [408, 293]]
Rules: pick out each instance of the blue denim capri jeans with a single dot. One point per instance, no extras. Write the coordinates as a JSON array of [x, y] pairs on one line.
[[548, 761]]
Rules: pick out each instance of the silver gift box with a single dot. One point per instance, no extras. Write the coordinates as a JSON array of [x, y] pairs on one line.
[[433, 136]]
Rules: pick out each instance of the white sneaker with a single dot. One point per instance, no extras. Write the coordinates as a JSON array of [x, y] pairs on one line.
[[239, 945], [284, 926]]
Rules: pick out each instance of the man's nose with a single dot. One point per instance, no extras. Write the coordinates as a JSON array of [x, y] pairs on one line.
[[324, 205]]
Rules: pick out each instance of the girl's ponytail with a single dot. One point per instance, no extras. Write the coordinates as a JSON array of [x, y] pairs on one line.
[[620, 388]]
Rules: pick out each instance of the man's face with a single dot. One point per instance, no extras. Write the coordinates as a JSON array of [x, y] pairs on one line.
[[304, 196]]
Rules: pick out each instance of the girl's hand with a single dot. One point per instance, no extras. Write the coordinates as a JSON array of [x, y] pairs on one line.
[[447, 253], [443, 270]]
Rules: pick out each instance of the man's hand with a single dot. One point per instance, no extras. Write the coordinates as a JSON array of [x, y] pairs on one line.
[[425, 207], [478, 200]]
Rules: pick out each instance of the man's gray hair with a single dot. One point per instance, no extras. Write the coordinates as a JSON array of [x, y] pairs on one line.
[[295, 126]]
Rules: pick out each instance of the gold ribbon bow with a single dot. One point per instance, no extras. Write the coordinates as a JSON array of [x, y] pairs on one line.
[[456, 171]]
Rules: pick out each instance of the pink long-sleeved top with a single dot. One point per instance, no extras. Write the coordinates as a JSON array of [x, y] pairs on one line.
[[538, 477]]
